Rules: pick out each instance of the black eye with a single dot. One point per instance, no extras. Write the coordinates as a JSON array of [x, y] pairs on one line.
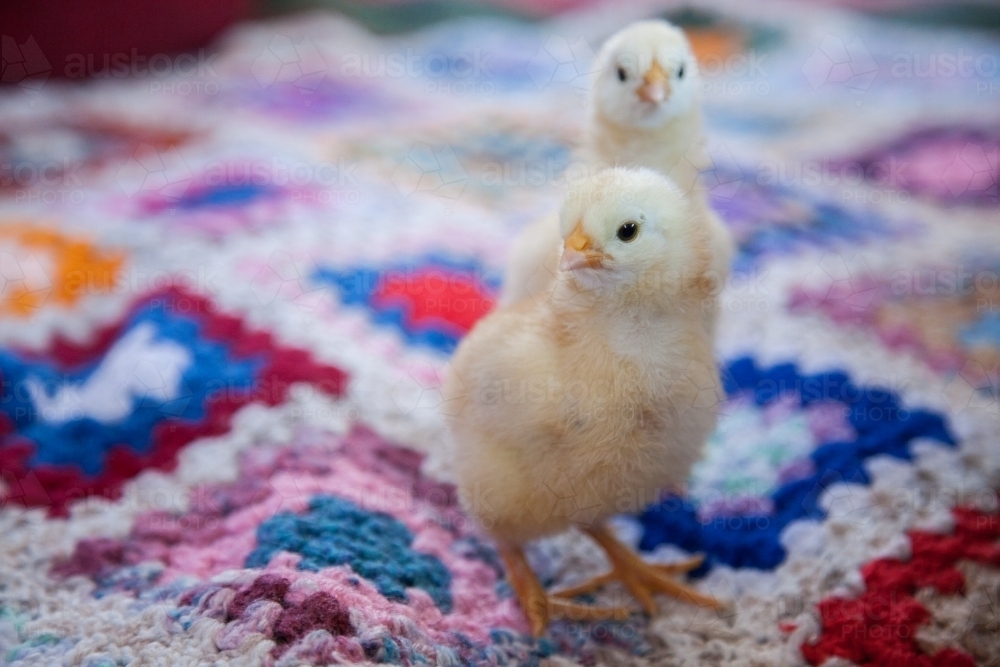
[[628, 232], [622, 74], [680, 71]]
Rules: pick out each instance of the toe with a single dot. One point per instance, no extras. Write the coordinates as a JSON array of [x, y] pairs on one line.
[[681, 567]]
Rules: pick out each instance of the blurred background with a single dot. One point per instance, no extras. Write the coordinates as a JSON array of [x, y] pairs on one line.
[[283, 156], [109, 26], [880, 107], [239, 242]]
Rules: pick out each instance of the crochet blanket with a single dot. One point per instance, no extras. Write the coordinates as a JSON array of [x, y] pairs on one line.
[[231, 284]]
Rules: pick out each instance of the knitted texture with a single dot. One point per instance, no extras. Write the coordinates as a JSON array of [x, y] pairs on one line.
[[879, 627], [391, 547], [229, 296], [188, 370], [376, 546], [433, 302], [945, 314], [77, 268], [750, 538], [954, 165], [768, 217]]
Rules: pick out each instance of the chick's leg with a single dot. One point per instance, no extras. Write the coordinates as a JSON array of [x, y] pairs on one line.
[[526, 586], [640, 578], [597, 582], [537, 605]]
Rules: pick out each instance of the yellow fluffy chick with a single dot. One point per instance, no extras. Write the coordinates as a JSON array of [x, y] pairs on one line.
[[644, 112], [590, 400]]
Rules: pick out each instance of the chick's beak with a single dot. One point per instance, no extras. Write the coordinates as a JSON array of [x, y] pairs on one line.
[[579, 252], [655, 85]]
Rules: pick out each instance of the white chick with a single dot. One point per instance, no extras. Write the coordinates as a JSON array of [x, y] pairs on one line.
[[645, 112], [645, 105], [590, 400]]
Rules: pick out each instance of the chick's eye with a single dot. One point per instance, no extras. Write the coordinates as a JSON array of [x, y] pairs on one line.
[[622, 74], [680, 71], [628, 232]]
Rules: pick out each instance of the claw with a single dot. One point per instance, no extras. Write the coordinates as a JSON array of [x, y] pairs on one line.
[[640, 578], [586, 587], [585, 612], [538, 607], [681, 567], [643, 579], [668, 586]]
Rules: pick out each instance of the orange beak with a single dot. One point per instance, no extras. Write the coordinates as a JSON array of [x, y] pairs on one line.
[[655, 85], [579, 253]]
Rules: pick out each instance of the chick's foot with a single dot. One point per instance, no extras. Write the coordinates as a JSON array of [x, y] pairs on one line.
[[538, 606], [642, 579]]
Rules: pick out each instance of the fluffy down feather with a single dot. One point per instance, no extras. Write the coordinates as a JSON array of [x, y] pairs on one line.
[[644, 112], [589, 400]]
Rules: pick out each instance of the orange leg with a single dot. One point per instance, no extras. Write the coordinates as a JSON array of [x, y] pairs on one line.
[[597, 582], [640, 578], [537, 605]]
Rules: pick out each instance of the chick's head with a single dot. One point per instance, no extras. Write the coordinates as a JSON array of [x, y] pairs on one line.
[[647, 75], [631, 230]]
